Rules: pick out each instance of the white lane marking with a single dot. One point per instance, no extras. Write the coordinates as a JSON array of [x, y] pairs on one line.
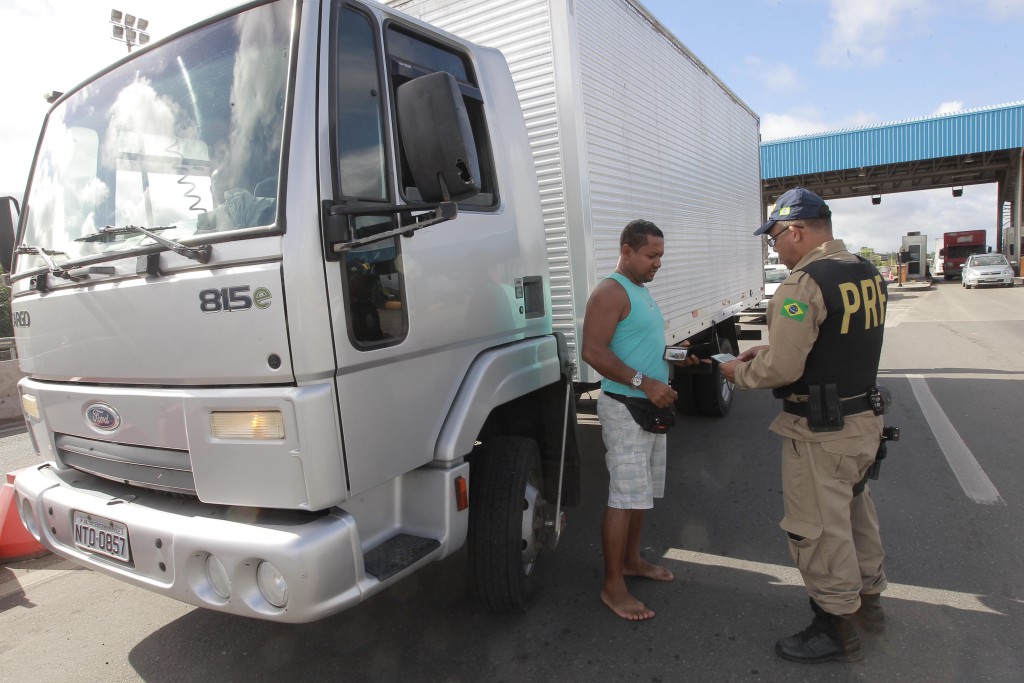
[[789, 576], [894, 316], [979, 374], [972, 478]]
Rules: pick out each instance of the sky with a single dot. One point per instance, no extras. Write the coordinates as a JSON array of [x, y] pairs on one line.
[[804, 66]]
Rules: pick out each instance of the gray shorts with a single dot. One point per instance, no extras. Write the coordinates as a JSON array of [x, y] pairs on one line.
[[635, 458]]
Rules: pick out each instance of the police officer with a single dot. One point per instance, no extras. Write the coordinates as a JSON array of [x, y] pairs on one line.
[[825, 327]]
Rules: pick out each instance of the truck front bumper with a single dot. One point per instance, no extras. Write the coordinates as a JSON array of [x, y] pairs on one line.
[[206, 555]]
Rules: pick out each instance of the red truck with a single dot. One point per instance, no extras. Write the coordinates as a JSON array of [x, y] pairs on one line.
[[957, 246]]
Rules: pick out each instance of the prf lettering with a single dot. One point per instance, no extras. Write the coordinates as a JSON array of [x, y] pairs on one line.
[[866, 294]]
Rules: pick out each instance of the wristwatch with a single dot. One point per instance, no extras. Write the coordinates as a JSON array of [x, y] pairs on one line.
[[637, 380]]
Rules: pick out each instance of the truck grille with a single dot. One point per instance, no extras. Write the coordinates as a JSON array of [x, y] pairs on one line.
[[155, 468]]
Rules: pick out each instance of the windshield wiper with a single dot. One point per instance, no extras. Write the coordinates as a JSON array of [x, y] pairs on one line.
[[200, 253], [103, 234], [45, 254]]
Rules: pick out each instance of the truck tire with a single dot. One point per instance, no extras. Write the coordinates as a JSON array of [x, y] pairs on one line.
[[713, 392], [505, 522]]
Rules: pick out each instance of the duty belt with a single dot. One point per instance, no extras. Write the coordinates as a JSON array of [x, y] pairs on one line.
[[851, 406]]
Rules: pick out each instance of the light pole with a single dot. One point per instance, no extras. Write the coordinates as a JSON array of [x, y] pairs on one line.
[[129, 29]]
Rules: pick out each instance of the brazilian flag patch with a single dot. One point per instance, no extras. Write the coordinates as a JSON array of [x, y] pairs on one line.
[[791, 308]]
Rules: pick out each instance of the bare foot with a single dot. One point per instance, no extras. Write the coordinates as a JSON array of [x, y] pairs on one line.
[[627, 607], [649, 571]]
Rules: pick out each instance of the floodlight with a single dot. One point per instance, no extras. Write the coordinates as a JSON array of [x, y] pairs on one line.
[[129, 28], [876, 199], [958, 191]]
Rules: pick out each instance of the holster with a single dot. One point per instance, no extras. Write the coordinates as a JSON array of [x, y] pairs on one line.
[[824, 412]]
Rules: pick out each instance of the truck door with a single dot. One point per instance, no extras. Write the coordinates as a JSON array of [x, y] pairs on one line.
[[398, 305]]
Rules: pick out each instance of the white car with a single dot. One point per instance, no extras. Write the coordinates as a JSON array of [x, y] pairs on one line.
[[774, 275], [986, 269]]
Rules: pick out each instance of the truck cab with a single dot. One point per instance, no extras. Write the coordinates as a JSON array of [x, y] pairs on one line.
[[956, 247], [281, 302]]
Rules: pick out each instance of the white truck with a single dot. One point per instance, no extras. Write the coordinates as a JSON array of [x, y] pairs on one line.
[[298, 313]]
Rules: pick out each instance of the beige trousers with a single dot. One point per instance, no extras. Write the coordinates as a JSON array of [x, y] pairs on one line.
[[838, 550]]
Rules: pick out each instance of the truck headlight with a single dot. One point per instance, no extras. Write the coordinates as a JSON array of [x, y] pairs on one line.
[[267, 425]]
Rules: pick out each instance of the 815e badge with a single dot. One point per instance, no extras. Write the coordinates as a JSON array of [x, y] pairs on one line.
[[231, 299]]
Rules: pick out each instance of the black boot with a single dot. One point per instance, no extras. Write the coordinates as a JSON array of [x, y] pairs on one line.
[[870, 615], [829, 638]]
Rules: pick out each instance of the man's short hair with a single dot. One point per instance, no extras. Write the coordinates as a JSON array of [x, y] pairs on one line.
[[637, 231], [813, 224]]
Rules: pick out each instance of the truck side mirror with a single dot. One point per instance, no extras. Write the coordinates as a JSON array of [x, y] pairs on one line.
[[437, 138], [905, 257], [9, 211]]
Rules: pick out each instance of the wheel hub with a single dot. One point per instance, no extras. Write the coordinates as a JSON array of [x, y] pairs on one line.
[[533, 525]]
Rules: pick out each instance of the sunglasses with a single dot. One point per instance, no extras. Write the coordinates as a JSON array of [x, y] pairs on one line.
[[775, 238]]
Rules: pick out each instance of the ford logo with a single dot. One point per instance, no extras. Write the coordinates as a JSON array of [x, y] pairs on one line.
[[103, 417]]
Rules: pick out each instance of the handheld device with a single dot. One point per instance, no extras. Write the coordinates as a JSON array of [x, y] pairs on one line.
[[723, 357]]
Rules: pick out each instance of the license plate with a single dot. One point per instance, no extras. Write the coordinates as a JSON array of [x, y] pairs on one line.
[[100, 535]]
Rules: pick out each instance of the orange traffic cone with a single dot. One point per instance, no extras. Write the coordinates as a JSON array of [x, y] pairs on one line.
[[16, 543]]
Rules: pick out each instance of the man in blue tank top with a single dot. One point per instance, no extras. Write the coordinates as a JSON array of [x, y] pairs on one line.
[[624, 340]]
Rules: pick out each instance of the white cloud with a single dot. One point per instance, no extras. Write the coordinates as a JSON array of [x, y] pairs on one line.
[[775, 77], [860, 30], [808, 121], [859, 223], [949, 107]]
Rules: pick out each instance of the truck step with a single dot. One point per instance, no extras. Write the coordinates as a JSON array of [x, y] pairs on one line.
[[397, 553]]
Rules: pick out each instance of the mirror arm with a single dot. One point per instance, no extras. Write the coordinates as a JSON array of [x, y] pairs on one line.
[[338, 234]]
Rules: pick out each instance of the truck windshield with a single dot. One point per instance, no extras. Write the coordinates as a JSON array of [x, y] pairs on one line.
[[963, 251], [185, 137]]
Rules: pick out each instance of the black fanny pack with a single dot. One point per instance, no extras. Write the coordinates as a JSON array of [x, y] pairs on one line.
[[650, 417]]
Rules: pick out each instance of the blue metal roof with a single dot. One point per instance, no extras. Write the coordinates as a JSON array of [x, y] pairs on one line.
[[973, 131]]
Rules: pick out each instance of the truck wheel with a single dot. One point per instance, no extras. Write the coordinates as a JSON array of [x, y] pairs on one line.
[[713, 392], [505, 522]]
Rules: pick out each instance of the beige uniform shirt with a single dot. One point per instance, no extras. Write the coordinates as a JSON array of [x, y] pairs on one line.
[[791, 338]]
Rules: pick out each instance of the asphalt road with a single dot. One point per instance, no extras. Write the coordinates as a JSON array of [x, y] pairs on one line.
[[949, 500]]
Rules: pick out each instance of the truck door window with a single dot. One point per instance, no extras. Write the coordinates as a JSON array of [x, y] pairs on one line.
[[411, 56], [373, 275], [360, 130]]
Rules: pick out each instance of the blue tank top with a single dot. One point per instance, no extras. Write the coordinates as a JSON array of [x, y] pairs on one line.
[[639, 339]]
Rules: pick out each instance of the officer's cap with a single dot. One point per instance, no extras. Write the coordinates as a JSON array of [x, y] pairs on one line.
[[796, 204]]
